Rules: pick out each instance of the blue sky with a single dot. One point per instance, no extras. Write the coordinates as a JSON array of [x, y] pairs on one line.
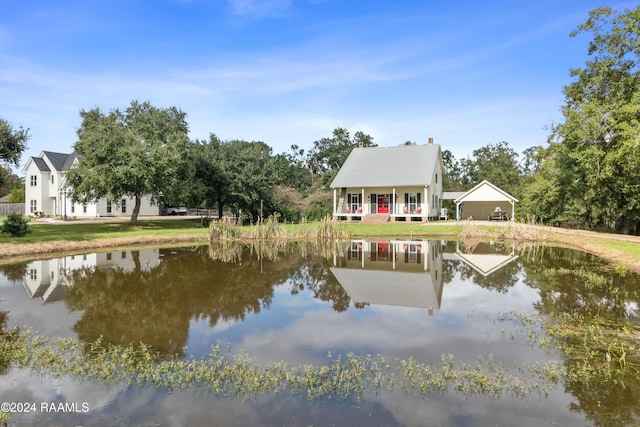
[[467, 73]]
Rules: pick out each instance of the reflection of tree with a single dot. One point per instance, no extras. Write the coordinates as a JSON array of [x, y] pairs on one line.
[[576, 283], [572, 281], [317, 277], [14, 272], [156, 306], [4, 336]]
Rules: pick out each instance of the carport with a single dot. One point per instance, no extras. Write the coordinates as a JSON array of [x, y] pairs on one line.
[[485, 201]]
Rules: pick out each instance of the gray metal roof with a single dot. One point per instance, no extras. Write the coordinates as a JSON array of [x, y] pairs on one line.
[[388, 166], [453, 195]]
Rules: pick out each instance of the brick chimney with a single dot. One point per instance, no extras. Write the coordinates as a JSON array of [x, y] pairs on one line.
[[430, 141]]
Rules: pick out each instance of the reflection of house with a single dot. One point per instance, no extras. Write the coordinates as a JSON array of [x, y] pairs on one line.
[[484, 259], [46, 279], [398, 183], [46, 191], [404, 273]]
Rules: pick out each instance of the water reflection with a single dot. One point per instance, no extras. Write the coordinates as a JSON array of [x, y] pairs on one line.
[[403, 273], [402, 298]]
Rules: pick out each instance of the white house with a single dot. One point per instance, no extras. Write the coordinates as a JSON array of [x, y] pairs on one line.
[[46, 192], [402, 183]]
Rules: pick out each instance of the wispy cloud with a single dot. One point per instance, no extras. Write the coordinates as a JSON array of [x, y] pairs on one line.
[[257, 9]]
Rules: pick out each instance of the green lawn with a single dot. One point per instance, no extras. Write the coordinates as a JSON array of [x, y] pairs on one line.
[[99, 230]]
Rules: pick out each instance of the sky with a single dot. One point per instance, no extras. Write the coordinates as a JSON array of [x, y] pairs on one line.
[[467, 73]]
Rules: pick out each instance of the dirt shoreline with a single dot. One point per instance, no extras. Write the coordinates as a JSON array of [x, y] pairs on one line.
[[578, 239]]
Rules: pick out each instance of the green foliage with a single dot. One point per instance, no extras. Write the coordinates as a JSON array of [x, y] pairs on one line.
[[329, 154], [143, 150], [341, 377], [15, 225], [13, 142], [592, 173], [318, 206], [16, 195], [285, 204]]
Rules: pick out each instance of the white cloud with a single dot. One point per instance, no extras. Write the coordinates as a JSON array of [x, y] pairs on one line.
[[259, 8]]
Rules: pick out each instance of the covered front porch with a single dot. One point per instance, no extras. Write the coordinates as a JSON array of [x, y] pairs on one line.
[[393, 204]]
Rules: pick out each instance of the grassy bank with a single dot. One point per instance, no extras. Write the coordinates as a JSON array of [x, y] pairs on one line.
[[54, 238]]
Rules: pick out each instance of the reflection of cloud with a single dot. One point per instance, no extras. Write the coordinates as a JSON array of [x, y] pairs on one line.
[[465, 327]]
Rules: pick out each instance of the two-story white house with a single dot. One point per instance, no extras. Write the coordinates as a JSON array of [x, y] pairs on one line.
[[402, 183], [46, 192]]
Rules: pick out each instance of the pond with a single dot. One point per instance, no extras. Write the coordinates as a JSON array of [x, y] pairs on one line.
[[390, 307]]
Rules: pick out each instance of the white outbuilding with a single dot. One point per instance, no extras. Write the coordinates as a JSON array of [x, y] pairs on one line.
[[487, 202]]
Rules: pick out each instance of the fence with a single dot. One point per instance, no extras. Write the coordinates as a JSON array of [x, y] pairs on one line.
[[9, 208]]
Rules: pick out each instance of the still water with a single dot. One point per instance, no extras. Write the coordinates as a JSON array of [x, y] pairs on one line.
[[297, 304]]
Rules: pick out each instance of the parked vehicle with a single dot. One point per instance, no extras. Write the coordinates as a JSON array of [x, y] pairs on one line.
[[173, 210]]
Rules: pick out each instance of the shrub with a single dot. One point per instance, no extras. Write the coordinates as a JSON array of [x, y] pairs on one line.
[[16, 225], [319, 206]]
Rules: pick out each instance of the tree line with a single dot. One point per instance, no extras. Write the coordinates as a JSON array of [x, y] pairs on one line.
[[587, 175]]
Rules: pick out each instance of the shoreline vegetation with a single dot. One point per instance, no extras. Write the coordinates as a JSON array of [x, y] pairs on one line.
[[622, 251]]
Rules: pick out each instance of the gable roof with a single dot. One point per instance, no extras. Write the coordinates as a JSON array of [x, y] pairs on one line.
[[389, 166], [485, 191], [41, 164], [58, 160]]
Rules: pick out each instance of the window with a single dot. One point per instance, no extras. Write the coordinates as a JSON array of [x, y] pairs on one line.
[[73, 208], [33, 274], [123, 204], [108, 206], [34, 180], [354, 203], [436, 178], [52, 179], [413, 202], [84, 208], [109, 256], [33, 206]]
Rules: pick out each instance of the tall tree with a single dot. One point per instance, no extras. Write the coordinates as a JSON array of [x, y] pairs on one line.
[[329, 154], [497, 163], [248, 167], [599, 136], [210, 184], [13, 142], [136, 152]]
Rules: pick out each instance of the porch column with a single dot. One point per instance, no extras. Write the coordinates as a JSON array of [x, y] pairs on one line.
[[426, 204], [513, 209], [393, 204], [458, 211], [362, 202], [334, 202]]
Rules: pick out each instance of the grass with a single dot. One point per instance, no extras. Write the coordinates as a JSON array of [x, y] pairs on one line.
[[104, 230]]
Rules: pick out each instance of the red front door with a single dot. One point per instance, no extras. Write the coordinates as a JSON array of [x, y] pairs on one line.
[[383, 203]]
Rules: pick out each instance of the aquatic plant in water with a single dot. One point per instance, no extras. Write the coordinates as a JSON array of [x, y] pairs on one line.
[[341, 377]]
